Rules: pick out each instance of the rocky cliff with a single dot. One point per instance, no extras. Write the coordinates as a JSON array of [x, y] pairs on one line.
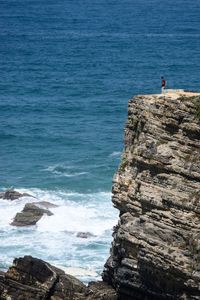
[[156, 248]]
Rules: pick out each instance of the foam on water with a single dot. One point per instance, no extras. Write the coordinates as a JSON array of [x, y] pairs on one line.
[[63, 170], [55, 238]]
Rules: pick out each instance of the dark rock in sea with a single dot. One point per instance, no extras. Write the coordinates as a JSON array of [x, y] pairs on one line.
[[33, 279], [30, 215], [13, 195], [85, 235]]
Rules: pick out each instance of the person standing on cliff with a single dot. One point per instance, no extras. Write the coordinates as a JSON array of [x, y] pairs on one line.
[[163, 85]]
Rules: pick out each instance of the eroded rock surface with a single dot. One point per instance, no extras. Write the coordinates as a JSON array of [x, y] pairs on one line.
[[156, 248], [33, 279]]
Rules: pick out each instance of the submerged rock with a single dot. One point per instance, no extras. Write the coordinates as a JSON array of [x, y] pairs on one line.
[[13, 195], [85, 235], [34, 279], [31, 214]]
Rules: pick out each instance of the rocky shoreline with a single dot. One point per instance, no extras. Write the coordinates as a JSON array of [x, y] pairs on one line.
[[33, 279], [155, 252]]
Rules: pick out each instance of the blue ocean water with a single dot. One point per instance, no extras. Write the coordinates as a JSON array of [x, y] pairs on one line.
[[68, 69]]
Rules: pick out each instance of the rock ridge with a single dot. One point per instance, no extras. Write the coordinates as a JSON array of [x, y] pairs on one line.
[[31, 278], [155, 253]]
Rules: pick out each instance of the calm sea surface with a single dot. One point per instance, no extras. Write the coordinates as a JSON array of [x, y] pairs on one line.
[[67, 71]]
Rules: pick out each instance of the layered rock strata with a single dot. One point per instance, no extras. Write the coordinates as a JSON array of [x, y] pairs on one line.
[[156, 248]]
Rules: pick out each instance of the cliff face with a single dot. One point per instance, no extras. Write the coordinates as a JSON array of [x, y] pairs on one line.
[[156, 248]]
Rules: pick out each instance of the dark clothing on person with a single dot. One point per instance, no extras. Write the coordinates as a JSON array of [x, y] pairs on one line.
[[163, 83]]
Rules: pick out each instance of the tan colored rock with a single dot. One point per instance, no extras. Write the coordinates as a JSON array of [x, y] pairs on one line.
[[156, 249]]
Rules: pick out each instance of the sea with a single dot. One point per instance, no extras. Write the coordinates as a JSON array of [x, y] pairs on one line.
[[67, 71]]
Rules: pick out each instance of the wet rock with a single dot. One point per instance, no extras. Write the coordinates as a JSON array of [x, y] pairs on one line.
[[13, 195], [30, 215]]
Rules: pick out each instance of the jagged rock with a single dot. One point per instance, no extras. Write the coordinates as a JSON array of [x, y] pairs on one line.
[[31, 214], [13, 195], [156, 248], [33, 279]]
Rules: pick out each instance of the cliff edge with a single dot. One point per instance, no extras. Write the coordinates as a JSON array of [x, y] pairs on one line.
[[155, 253]]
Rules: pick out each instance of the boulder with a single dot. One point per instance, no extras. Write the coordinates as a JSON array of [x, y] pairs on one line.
[[30, 278], [13, 195], [30, 215]]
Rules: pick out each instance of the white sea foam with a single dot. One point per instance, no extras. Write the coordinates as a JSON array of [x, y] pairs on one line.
[[79, 271], [75, 212], [64, 170], [76, 218], [54, 238]]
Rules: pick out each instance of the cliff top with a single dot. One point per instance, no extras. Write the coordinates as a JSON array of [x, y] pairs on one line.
[[174, 94]]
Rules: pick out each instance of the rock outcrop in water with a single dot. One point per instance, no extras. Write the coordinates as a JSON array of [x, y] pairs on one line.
[[11, 194], [32, 213], [156, 249]]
